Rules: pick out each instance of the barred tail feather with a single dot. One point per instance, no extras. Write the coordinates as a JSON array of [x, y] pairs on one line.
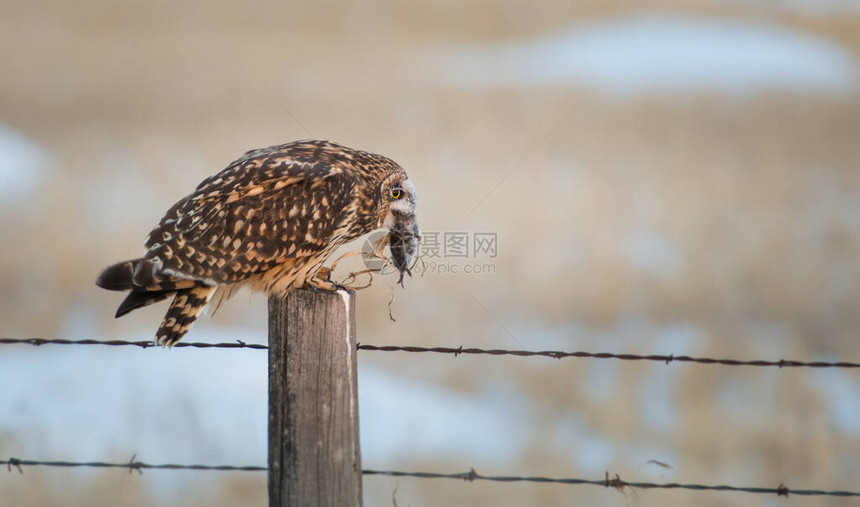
[[141, 275], [139, 298], [182, 313]]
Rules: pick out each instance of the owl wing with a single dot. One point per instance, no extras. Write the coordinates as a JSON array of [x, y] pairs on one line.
[[259, 212]]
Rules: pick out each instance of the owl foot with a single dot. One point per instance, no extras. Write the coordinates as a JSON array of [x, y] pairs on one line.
[[321, 281], [321, 286]]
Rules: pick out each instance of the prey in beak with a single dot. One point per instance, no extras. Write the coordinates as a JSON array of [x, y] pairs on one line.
[[404, 236]]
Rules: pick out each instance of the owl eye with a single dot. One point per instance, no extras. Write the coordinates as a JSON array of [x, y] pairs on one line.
[[395, 193]]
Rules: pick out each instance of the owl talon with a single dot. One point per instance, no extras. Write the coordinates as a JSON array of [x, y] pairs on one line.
[[319, 284], [322, 281]]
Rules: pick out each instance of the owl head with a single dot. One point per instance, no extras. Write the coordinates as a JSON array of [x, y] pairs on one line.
[[397, 203], [398, 200]]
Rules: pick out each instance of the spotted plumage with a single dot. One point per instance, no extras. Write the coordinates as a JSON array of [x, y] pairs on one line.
[[268, 221]]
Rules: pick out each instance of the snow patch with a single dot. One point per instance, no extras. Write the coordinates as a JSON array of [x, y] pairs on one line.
[[661, 53], [22, 164]]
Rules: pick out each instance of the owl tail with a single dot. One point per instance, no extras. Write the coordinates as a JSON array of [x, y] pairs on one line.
[[182, 313], [145, 285], [140, 298], [118, 276]]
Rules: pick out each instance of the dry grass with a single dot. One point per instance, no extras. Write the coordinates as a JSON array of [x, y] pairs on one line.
[[746, 208]]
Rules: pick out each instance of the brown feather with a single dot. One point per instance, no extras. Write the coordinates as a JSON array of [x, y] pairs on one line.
[[182, 313]]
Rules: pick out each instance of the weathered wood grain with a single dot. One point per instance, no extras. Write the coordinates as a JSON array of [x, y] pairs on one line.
[[314, 455]]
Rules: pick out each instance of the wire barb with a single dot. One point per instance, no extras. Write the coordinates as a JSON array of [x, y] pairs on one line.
[[615, 482], [14, 462], [134, 465]]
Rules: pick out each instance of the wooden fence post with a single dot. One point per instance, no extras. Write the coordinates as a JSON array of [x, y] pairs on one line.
[[314, 454]]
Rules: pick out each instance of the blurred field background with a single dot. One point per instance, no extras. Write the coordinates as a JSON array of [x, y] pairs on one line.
[[664, 177]]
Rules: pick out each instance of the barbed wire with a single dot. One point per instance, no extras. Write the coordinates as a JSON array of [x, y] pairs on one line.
[[132, 465], [614, 482], [456, 351], [661, 358], [144, 344]]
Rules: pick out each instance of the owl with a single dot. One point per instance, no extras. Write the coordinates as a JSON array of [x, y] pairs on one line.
[[269, 221]]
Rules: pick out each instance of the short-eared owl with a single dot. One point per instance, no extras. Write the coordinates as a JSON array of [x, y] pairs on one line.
[[268, 221]]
